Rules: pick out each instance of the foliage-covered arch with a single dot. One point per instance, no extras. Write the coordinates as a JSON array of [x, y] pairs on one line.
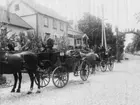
[[135, 45]]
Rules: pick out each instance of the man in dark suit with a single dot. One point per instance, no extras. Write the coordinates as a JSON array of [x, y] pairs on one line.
[[49, 43]]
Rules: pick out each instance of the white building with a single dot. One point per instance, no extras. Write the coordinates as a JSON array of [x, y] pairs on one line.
[[75, 37], [44, 20]]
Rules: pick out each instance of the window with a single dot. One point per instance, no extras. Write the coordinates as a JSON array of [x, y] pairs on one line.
[[61, 26], [78, 41], [54, 24], [16, 7], [46, 21]]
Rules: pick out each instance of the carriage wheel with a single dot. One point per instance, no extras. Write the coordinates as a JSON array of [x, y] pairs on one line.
[[111, 65], [60, 77], [84, 72], [103, 66], [44, 78]]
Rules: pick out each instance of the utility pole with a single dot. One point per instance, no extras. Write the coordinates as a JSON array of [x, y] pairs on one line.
[[104, 43], [117, 45], [117, 32]]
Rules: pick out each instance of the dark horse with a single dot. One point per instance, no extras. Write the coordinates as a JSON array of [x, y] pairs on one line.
[[15, 63]]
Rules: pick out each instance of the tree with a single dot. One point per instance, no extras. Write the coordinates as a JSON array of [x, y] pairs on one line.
[[3, 39], [129, 48], [92, 26], [136, 42], [120, 42], [135, 45]]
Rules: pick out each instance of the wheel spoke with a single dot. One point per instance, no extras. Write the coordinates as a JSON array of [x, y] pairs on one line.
[[57, 81], [46, 81], [60, 81], [63, 83]]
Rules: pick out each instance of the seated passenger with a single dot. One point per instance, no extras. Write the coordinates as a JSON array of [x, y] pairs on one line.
[[48, 47], [11, 46]]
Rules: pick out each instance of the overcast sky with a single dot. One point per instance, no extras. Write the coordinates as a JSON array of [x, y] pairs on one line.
[[74, 9]]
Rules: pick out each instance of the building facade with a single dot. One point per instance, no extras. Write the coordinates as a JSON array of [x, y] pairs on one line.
[[44, 20], [75, 37], [15, 25]]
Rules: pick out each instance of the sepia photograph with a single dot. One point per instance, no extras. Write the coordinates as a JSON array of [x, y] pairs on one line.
[[69, 52]]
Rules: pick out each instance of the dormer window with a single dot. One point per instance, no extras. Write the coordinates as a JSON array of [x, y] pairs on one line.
[[17, 7]]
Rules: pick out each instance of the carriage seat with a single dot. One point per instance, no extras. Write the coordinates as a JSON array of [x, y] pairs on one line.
[[48, 58]]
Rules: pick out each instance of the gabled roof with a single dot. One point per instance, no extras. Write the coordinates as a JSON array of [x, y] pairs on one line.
[[14, 19], [43, 9]]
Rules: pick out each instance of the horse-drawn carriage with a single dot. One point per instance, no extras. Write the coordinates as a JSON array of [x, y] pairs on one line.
[[42, 66], [58, 66]]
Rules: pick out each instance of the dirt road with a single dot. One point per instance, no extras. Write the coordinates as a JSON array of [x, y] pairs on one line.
[[119, 87]]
